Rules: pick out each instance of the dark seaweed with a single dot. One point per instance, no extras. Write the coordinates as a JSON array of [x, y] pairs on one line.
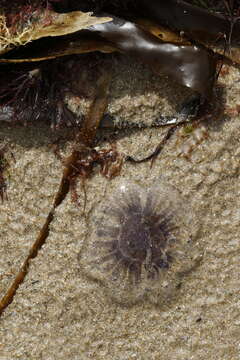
[[196, 22], [191, 66], [34, 93]]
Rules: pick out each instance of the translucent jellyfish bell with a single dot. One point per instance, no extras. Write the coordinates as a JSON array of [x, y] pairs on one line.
[[141, 241]]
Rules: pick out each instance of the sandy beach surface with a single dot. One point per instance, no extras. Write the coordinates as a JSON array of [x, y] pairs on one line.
[[59, 312]]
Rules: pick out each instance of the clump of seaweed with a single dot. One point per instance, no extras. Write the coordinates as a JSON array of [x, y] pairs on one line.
[[36, 93], [17, 26], [141, 241]]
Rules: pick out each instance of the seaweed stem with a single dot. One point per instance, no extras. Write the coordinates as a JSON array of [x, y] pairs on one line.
[[157, 150], [86, 135]]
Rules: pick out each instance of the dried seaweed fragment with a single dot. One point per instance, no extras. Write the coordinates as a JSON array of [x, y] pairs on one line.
[[44, 23]]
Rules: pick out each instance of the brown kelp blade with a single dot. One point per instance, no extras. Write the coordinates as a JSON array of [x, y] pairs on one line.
[[54, 49], [213, 30], [188, 65], [196, 22], [162, 32], [227, 49]]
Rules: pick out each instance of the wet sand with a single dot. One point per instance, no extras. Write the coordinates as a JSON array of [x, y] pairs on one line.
[[59, 312]]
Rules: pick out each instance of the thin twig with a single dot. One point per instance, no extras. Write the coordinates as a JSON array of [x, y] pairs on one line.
[[157, 150]]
